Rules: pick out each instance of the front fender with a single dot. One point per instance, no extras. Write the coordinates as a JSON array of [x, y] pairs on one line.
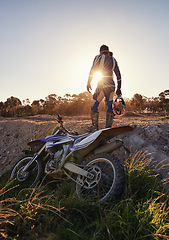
[[36, 142]]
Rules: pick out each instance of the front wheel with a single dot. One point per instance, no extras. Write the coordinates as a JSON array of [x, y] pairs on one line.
[[28, 178], [107, 182]]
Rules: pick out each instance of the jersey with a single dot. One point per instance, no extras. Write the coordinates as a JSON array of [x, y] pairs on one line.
[[107, 65]]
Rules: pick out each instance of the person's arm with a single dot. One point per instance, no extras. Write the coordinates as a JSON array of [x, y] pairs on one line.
[[89, 88], [118, 76], [95, 63]]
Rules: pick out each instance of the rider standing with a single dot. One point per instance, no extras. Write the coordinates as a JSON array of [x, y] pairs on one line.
[[106, 64]]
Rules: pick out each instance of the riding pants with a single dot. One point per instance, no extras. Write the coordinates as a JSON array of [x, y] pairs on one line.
[[102, 91]]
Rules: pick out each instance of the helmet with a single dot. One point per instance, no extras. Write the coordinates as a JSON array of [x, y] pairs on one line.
[[119, 106], [104, 48]]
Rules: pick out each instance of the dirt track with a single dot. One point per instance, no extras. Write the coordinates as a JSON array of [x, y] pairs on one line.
[[150, 134]]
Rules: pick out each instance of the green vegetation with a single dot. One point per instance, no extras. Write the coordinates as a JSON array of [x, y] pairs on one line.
[[163, 118], [141, 213]]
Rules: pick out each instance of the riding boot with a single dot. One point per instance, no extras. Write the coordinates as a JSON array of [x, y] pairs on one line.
[[109, 119], [95, 118]]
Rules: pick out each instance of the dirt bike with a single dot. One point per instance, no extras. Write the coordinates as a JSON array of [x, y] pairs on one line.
[[86, 159]]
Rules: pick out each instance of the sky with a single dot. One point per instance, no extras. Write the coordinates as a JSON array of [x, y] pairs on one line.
[[48, 46]]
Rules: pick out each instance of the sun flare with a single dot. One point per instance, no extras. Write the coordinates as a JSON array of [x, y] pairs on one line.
[[97, 76]]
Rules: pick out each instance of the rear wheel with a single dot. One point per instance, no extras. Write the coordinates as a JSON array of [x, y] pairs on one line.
[[28, 178], [107, 182]]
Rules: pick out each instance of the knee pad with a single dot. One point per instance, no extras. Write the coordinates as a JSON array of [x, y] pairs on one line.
[[94, 105], [109, 106]]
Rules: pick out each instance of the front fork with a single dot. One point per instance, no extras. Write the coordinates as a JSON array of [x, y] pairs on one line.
[[34, 158]]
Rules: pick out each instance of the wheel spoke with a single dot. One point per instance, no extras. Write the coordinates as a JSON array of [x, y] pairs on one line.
[[31, 176]]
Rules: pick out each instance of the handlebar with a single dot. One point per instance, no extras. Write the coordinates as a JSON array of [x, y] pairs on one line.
[[60, 121]]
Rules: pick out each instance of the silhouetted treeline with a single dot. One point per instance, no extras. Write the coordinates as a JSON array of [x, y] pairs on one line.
[[72, 105]]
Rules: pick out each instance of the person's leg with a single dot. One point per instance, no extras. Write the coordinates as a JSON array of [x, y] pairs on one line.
[[97, 98], [94, 114], [109, 107]]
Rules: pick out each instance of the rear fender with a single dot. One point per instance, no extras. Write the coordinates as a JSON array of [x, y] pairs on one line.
[[107, 133]]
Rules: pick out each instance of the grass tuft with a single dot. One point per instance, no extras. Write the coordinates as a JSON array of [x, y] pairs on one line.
[[163, 118], [53, 210]]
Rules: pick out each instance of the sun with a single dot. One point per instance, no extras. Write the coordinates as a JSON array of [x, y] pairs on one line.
[[97, 76]]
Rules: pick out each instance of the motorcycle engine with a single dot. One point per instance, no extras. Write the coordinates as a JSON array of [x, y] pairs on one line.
[[52, 165]]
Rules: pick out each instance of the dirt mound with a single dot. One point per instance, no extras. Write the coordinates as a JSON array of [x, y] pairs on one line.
[[150, 134]]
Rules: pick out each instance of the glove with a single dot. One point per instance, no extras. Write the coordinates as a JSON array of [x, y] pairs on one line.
[[89, 87], [118, 92]]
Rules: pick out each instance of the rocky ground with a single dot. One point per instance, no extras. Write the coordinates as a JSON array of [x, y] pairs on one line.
[[150, 134]]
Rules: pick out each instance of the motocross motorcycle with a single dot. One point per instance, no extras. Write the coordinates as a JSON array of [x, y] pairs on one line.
[[86, 159]]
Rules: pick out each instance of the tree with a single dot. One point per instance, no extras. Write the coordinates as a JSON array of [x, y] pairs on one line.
[[164, 101], [166, 94], [50, 104], [13, 102], [152, 105], [11, 105], [138, 102], [35, 106]]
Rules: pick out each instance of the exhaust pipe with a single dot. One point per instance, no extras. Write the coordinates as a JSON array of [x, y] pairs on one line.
[[109, 147]]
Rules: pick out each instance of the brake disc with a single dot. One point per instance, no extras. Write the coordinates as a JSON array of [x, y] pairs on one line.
[[90, 183]]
